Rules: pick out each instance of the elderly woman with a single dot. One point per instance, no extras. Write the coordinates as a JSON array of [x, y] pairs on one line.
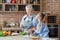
[[41, 28], [26, 22]]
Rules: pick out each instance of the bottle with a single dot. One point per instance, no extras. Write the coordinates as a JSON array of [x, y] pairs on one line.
[[8, 1], [17, 23], [13, 1], [13, 8], [24, 2], [20, 1]]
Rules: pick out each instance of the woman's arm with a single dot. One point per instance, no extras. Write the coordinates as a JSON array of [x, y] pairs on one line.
[[35, 22], [22, 22], [43, 32]]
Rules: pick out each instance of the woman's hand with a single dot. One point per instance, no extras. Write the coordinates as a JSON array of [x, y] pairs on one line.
[[31, 30]]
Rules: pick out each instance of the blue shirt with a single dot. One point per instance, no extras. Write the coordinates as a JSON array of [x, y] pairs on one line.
[[27, 22], [43, 32]]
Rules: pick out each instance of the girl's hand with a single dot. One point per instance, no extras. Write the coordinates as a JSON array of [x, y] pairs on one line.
[[33, 29], [39, 21]]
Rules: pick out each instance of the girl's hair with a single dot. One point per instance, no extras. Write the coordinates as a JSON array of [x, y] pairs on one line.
[[42, 16]]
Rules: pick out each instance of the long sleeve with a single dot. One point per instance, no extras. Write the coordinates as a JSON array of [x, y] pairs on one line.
[[22, 21], [43, 32], [35, 22]]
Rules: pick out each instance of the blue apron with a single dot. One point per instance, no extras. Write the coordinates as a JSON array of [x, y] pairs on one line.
[[27, 24]]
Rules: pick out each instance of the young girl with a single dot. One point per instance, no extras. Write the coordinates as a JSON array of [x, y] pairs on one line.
[[41, 28]]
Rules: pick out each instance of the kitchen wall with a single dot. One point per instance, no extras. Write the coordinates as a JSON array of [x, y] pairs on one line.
[[10, 17], [54, 7]]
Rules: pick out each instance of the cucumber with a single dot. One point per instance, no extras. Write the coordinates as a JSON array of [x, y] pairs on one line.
[[23, 33]]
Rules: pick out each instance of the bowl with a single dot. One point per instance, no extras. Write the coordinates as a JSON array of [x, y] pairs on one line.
[[35, 38]]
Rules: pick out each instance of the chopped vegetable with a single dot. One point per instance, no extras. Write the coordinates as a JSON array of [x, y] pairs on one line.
[[23, 33], [2, 34]]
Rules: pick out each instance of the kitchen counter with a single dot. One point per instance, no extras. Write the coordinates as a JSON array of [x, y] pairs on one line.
[[14, 38], [22, 38]]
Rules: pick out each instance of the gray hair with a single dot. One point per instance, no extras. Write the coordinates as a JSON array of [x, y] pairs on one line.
[[28, 7]]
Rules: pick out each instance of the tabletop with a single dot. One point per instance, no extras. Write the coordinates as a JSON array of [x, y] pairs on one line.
[[23, 38]]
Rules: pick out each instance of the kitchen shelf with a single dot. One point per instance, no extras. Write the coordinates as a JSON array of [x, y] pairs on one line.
[[10, 4], [10, 7], [6, 29], [27, 4], [16, 10], [22, 7], [1, 7], [18, 5], [1, 3]]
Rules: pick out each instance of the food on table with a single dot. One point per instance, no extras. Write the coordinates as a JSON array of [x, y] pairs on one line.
[[1, 34], [6, 33], [14, 34], [23, 33], [34, 38]]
